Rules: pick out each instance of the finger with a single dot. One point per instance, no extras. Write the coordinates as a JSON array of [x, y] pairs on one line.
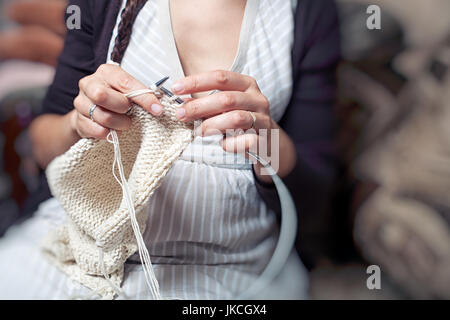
[[233, 120], [213, 80], [241, 143], [111, 120], [102, 95], [120, 80], [220, 102], [90, 129], [102, 116]]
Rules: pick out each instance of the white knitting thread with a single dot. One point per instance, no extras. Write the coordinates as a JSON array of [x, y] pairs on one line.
[[105, 274], [140, 92], [149, 274], [150, 277], [98, 291]]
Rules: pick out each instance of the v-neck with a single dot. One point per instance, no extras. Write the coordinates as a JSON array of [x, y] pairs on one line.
[[166, 31]]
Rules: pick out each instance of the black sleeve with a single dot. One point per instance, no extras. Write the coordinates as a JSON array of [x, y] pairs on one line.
[[75, 62], [309, 119]]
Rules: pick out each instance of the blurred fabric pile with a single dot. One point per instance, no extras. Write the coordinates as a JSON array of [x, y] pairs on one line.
[[394, 140], [31, 39]]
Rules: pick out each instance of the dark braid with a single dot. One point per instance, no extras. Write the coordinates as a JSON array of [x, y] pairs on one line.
[[128, 16]]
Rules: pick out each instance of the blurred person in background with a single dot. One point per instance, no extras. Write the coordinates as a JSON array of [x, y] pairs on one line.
[[31, 38], [37, 33]]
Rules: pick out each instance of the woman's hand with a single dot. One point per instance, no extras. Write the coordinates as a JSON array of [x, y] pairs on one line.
[[106, 88], [54, 134], [239, 106]]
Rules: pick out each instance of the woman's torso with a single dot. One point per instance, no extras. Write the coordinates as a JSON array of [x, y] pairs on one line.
[[207, 210]]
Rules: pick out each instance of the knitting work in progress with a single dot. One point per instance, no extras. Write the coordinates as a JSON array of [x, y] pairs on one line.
[[106, 211]]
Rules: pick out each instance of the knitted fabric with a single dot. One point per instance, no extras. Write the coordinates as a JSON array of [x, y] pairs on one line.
[[98, 217]]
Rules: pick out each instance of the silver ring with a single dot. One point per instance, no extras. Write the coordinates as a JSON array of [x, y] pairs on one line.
[[254, 119], [91, 112]]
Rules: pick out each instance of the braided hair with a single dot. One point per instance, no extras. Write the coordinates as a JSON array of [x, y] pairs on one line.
[[128, 16]]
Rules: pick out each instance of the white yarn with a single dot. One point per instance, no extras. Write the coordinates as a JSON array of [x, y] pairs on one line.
[[105, 274], [136, 93], [149, 273], [150, 277], [104, 214]]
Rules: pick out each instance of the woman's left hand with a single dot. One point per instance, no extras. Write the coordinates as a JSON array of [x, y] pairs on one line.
[[239, 105]]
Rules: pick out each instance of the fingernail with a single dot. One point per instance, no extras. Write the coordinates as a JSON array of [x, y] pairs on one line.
[[181, 113], [156, 108], [177, 87]]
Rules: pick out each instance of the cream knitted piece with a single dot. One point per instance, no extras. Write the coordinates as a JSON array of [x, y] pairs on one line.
[[97, 213]]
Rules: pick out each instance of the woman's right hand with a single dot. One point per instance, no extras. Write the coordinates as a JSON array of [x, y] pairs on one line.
[[106, 88]]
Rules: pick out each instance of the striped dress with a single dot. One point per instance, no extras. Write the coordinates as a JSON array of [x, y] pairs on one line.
[[209, 233]]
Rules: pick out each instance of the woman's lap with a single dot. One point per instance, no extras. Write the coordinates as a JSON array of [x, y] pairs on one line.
[[25, 273]]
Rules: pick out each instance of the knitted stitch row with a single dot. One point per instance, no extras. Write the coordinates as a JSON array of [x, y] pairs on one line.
[[98, 215]]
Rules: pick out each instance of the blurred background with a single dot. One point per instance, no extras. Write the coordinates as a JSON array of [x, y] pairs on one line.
[[391, 202]]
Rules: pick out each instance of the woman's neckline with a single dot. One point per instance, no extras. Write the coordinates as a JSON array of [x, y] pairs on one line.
[[166, 31]]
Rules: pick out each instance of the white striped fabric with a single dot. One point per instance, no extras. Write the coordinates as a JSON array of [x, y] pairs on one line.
[[209, 233]]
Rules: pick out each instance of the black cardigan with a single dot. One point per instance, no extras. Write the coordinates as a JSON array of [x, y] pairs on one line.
[[308, 119]]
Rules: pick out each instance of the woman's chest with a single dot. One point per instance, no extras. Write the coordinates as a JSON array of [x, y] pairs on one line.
[[260, 47], [206, 33]]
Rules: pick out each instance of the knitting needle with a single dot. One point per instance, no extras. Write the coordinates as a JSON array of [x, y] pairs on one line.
[[166, 91], [160, 82]]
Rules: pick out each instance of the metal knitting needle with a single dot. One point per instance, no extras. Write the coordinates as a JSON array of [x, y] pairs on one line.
[[160, 82], [166, 91]]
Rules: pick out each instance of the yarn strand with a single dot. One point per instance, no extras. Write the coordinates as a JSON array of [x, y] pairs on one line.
[[150, 277], [149, 273], [105, 274]]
